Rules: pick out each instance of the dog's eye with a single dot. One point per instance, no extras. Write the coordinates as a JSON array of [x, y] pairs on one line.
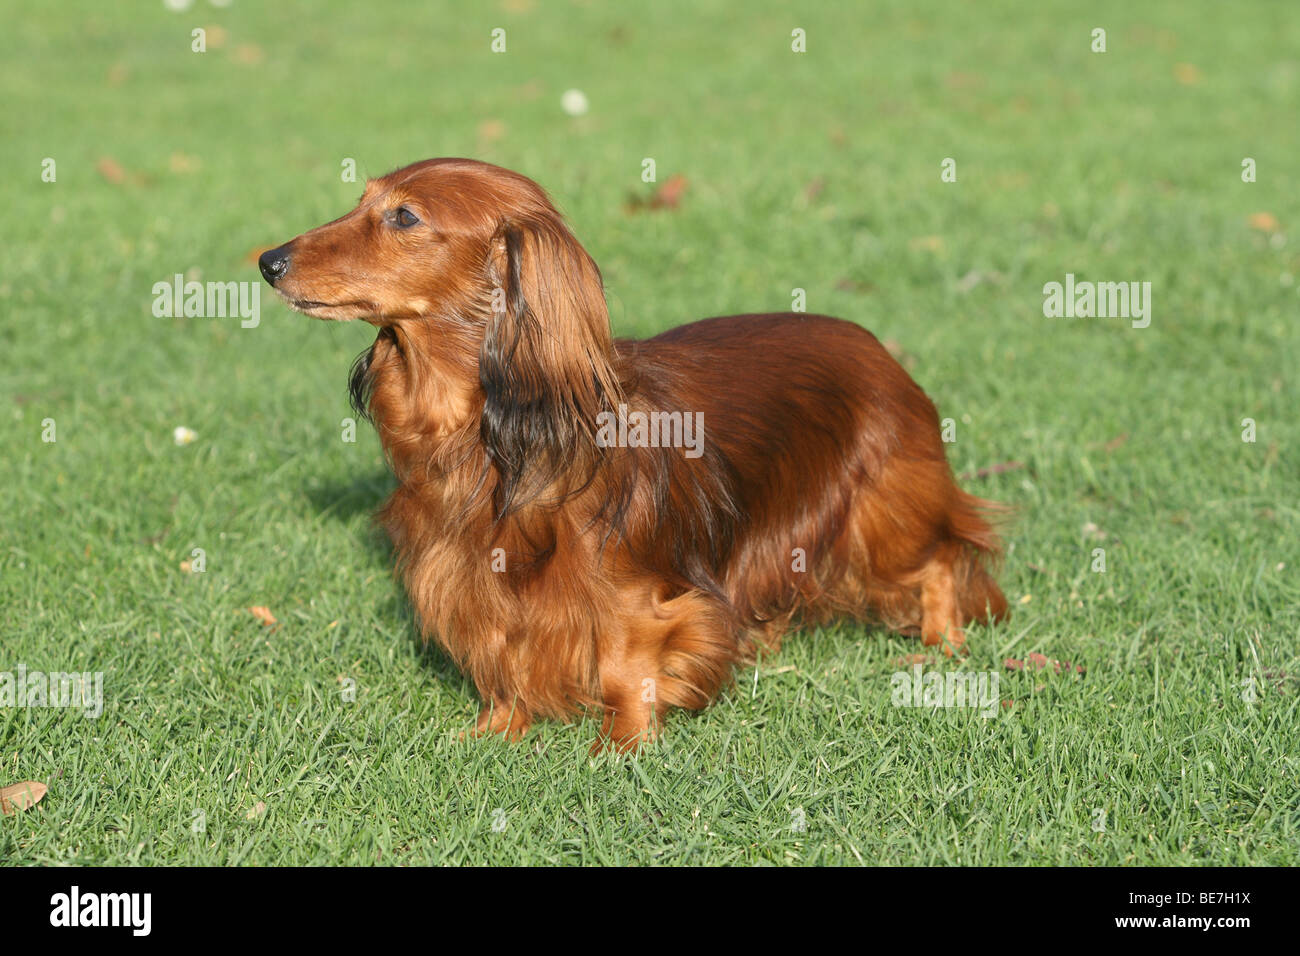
[[403, 218]]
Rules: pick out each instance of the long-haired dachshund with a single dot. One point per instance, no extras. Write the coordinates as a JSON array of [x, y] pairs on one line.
[[587, 522]]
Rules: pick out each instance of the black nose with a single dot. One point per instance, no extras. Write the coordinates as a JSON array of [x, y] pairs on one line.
[[274, 264]]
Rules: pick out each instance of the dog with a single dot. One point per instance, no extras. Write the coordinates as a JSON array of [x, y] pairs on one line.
[[607, 526]]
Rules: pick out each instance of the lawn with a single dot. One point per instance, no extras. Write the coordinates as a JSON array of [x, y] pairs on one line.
[[1153, 545]]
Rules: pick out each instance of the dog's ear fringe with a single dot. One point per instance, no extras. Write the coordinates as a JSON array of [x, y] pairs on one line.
[[545, 377], [361, 384]]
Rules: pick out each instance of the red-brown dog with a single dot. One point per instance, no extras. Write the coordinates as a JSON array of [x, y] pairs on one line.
[[589, 522]]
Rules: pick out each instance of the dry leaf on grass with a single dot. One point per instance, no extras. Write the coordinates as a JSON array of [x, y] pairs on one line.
[[216, 37], [1116, 443], [264, 615], [1264, 222], [248, 53], [20, 796], [111, 170], [489, 131], [912, 659], [257, 810], [855, 285], [183, 163], [814, 189], [667, 196]]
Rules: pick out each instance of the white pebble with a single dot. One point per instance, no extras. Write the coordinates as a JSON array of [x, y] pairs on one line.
[[574, 102]]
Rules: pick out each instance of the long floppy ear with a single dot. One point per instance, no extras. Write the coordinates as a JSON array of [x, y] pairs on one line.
[[546, 365]]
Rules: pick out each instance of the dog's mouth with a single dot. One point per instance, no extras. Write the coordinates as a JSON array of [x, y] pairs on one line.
[[312, 307], [335, 311]]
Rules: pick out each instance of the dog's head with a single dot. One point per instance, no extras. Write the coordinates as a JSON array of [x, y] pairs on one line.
[[457, 250], [426, 241]]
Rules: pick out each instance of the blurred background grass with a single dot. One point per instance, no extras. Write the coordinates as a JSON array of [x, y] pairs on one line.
[[817, 171]]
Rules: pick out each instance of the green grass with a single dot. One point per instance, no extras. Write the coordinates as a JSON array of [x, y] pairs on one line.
[[1116, 166]]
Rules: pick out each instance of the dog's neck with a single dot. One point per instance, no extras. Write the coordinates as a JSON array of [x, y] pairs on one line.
[[419, 385]]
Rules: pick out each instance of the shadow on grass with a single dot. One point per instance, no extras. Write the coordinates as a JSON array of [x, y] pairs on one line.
[[346, 502], [345, 499]]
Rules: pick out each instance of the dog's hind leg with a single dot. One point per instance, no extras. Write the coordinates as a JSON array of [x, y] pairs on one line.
[[940, 612]]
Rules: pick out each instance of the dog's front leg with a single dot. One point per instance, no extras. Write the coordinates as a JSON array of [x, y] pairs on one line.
[[503, 717]]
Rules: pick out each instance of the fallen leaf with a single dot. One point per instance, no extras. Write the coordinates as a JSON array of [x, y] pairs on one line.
[[1114, 444], [257, 810], [1278, 678], [216, 37], [249, 53], [111, 170], [264, 615], [489, 131], [183, 163], [958, 80], [910, 659], [814, 189], [1264, 222], [20, 796], [669, 195], [855, 285]]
